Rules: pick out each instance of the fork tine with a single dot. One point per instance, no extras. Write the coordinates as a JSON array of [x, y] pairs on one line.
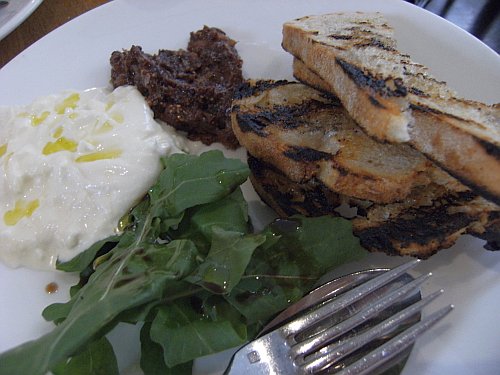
[[393, 347], [347, 299], [331, 354], [370, 310]]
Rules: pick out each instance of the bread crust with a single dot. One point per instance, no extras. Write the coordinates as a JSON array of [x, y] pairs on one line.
[[461, 136]]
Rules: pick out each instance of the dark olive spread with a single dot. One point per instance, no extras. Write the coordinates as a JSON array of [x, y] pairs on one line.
[[189, 89]]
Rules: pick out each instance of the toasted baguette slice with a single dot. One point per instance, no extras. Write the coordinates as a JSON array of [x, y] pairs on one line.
[[307, 134], [432, 218], [397, 100]]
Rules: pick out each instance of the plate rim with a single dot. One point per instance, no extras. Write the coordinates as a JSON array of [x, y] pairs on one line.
[[19, 17], [28, 54]]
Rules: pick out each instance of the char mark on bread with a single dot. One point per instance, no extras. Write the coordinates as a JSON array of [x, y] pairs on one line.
[[378, 85], [278, 191], [306, 154], [490, 148], [252, 88], [283, 115], [287, 117], [251, 123]]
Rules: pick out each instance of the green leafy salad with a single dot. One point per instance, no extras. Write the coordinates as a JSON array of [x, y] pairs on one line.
[[189, 270]]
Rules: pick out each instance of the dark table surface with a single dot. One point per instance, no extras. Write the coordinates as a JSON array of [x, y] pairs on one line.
[[479, 17]]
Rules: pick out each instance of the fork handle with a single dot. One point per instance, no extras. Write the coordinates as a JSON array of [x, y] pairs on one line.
[[267, 355], [247, 361], [240, 364]]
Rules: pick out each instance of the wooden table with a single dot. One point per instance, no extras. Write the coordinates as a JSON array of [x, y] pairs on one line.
[[48, 16]]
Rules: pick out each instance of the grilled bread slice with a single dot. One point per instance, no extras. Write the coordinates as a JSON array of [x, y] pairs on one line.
[[430, 219], [308, 135], [397, 100]]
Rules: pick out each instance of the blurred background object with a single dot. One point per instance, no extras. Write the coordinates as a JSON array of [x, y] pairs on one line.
[[481, 18]]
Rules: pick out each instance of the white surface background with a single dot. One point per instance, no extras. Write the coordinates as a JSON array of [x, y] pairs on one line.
[[76, 56]]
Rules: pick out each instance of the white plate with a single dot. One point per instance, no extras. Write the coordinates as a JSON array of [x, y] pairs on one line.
[[15, 13], [76, 56]]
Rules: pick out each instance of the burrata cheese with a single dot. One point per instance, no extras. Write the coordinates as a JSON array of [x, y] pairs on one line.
[[71, 166]]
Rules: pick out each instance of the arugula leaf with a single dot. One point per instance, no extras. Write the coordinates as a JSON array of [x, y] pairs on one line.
[[312, 246], [57, 312], [190, 180], [97, 359], [82, 260], [258, 298], [186, 335], [152, 362], [227, 260], [229, 213]]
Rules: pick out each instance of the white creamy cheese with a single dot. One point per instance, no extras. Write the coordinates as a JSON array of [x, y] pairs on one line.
[[71, 166]]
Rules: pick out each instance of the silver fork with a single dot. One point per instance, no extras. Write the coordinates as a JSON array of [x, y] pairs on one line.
[[316, 341]]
